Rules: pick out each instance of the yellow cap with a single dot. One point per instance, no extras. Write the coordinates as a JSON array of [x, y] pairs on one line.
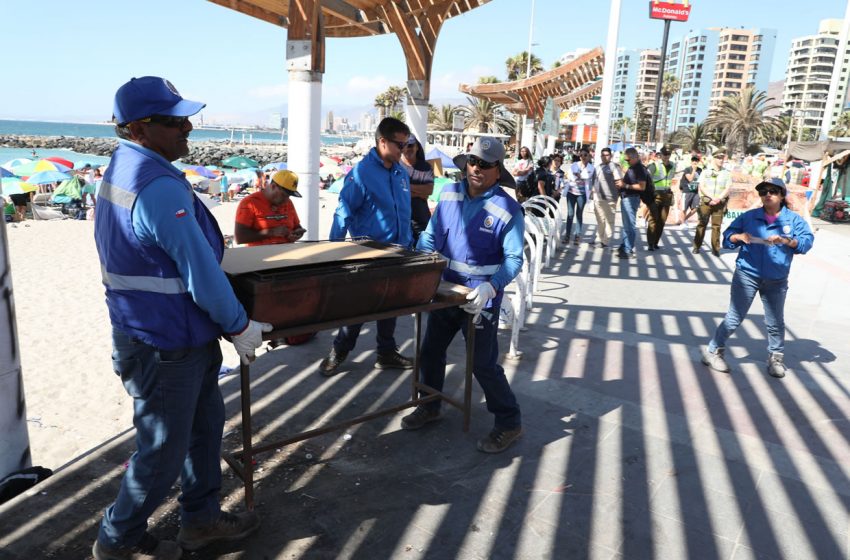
[[287, 180]]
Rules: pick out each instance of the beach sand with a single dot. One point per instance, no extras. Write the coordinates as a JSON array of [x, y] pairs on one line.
[[74, 400]]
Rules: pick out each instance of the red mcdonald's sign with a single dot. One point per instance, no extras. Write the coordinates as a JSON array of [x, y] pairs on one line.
[[669, 10]]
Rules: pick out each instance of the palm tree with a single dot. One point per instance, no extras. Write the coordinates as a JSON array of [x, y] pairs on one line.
[[488, 80], [643, 121], [670, 86], [517, 65], [841, 128], [382, 104], [624, 125], [485, 115], [740, 118], [694, 137], [442, 117]]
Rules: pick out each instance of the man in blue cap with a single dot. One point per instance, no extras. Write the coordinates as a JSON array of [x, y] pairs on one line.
[[169, 302]]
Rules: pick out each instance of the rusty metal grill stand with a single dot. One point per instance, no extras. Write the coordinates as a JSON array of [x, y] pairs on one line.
[[448, 295]]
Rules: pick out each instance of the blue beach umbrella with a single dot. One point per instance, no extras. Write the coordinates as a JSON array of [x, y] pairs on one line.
[[276, 166], [199, 170], [15, 186], [5, 173], [44, 177]]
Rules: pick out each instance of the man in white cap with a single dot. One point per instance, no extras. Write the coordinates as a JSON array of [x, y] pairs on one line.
[[479, 229], [169, 302]]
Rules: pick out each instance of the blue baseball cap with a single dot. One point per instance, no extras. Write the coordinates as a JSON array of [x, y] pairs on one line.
[[150, 95], [773, 182]]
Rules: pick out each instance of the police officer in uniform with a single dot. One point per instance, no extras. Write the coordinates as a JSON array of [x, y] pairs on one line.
[[662, 176], [479, 229], [715, 182], [169, 302]]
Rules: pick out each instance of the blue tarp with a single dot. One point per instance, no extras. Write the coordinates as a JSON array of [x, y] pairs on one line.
[[336, 186], [444, 159], [620, 146]]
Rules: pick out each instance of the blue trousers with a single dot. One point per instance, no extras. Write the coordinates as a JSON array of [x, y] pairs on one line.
[[628, 210], [575, 210], [346, 337], [744, 289], [178, 413], [442, 326]]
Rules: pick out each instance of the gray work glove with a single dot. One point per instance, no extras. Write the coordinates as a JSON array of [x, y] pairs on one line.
[[250, 339]]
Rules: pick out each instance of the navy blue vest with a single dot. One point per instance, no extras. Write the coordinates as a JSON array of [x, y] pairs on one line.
[[475, 251], [145, 294]]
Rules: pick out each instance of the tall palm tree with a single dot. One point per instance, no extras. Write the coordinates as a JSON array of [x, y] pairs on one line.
[[488, 80], [485, 115], [382, 104], [517, 65], [694, 137], [740, 118], [670, 86], [624, 125], [395, 97], [442, 117], [841, 128]]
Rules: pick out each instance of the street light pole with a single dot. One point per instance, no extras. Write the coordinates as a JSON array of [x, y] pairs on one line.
[[530, 32], [660, 80]]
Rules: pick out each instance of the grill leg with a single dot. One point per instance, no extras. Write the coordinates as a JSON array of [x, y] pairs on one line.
[[247, 444], [470, 354]]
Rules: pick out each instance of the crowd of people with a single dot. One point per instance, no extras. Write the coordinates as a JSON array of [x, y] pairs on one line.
[[169, 301]]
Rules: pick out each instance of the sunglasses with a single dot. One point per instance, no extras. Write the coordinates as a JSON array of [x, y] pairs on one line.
[[480, 163], [765, 192], [164, 120], [399, 145]]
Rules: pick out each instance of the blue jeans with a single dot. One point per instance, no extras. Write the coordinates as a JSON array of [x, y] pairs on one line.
[[346, 337], [575, 209], [178, 413], [744, 289], [628, 210], [442, 326]]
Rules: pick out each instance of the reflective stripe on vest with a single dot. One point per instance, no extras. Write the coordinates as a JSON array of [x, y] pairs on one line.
[[154, 284], [471, 270], [453, 196], [117, 195]]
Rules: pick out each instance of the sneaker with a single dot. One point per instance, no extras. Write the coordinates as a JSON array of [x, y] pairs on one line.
[[776, 365], [715, 252], [498, 440], [419, 417], [715, 360], [393, 361], [577, 240], [330, 365], [695, 250], [624, 255], [228, 527], [149, 548]]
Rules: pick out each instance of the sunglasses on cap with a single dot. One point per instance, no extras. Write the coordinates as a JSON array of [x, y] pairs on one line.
[[765, 192], [480, 163], [165, 120]]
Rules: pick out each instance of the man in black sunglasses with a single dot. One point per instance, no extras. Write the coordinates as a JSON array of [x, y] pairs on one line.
[[169, 303], [479, 229]]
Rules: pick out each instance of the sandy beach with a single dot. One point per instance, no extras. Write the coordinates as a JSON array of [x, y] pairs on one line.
[[74, 400]]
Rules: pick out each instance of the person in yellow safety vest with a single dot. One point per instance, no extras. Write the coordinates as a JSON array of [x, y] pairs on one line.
[[662, 172], [760, 165], [715, 182]]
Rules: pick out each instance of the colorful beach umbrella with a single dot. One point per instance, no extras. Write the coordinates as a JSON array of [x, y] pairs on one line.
[[239, 162], [44, 177], [15, 163], [12, 185], [34, 167], [200, 171], [276, 166], [61, 161], [83, 163], [5, 173]]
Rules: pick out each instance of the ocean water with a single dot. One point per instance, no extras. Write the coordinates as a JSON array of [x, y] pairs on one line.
[[41, 128]]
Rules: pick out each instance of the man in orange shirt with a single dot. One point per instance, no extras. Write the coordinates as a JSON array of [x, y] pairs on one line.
[[268, 216]]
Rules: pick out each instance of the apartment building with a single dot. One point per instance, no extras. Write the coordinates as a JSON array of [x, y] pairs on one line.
[[649, 64], [811, 63], [743, 60], [625, 84]]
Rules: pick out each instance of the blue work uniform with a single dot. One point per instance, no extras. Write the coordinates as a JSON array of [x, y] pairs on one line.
[[375, 203], [168, 301], [482, 238]]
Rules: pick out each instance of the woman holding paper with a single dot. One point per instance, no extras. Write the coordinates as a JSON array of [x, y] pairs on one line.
[[768, 238]]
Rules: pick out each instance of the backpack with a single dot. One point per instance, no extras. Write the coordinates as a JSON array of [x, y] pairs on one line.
[[647, 195], [528, 188]]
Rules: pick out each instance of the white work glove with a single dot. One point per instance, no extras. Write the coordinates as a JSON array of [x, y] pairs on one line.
[[250, 339], [478, 298]]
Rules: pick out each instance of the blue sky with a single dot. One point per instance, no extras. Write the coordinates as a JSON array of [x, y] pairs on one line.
[[64, 60]]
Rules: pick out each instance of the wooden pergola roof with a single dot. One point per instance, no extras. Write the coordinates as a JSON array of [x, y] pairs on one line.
[[569, 85], [358, 18]]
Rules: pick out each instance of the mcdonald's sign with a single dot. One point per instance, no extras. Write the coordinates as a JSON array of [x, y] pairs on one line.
[[670, 10]]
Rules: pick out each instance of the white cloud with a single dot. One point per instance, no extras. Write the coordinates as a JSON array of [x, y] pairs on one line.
[[446, 85], [276, 91]]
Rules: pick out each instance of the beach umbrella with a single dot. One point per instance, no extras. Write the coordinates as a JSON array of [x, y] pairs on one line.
[[61, 161], [239, 162], [199, 170], [5, 173], [34, 167], [83, 163], [12, 185], [15, 163], [44, 177], [276, 166]]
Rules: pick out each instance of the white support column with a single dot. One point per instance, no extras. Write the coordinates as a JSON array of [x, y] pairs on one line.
[[608, 77], [304, 134], [14, 438], [416, 110], [528, 134], [550, 143]]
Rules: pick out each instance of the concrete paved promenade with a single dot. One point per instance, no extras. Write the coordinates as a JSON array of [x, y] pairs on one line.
[[632, 448]]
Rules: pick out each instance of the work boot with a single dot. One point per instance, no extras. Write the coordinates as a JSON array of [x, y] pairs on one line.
[[393, 360], [228, 527], [715, 252], [149, 548], [419, 417], [715, 360], [498, 440], [776, 364], [695, 250], [330, 365]]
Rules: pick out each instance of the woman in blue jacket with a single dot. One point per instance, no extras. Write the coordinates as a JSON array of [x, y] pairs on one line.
[[768, 238]]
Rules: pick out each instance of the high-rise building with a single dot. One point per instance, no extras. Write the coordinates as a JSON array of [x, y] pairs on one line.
[[811, 63], [649, 63], [692, 61], [743, 60], [625, 83], [367, 122], [329, 123]]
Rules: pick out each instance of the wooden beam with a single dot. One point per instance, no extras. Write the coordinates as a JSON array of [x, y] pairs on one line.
[[253, 10], [306, 24], [351, 15]]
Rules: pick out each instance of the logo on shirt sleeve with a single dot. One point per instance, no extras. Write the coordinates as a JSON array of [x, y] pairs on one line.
[[180, 213]]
